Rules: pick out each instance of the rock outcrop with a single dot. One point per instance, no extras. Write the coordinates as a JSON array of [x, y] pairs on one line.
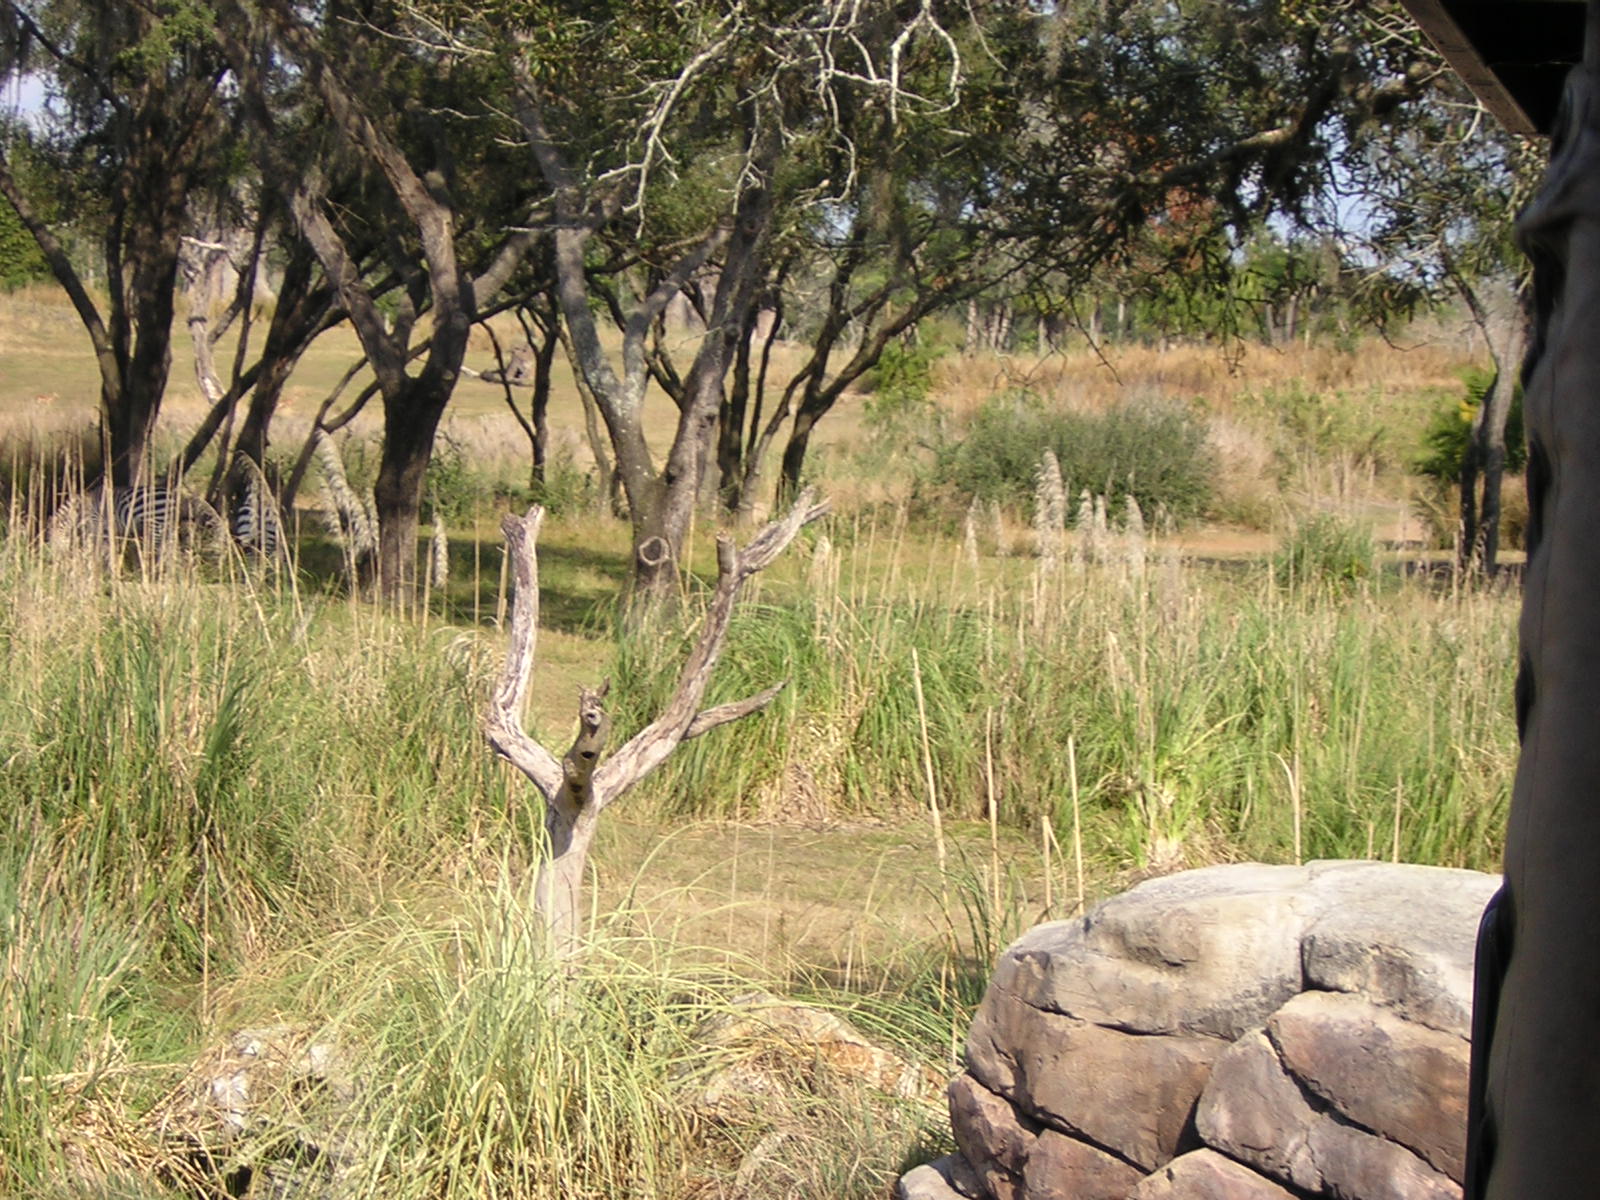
[[1243, 1032]]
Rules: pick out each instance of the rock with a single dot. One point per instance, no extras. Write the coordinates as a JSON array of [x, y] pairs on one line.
[[1252, 1111], [1255, 1112], [948, 1178], [1129, 1093], [1064, 1168], [1350, 1162], [285, 1089], [1212, 951], [1394, 1077], [1014, 1160], [1207, 1175], [993, 1137], [1402, 936], [1248, 1032], [243, 1082], [771, 1049]]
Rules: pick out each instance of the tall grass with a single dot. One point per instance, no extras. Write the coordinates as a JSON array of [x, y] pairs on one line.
[[484, 1068], [70, 974], [1186, 690], [211, 757], [231, 803]]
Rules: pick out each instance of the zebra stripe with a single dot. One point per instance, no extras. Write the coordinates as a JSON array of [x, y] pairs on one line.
[[164, 516], [147, 514], [255, 522]]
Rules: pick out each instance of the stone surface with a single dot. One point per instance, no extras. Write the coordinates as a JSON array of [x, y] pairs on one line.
[[991, 1135], [1206, 1175], [949, 1178], [1129, 1093], [1064, 1168], [1402, 936], [1213, 951], [768, 1045], [1252, 1111], [1248, 1032], [1255, 1112], [272, 1103], [1394, 1077]]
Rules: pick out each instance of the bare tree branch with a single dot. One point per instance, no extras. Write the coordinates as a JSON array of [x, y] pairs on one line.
[[503, 724], [708, 719], [580, 787], [648, 748]]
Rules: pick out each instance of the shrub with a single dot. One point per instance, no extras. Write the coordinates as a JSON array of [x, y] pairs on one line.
[[1326, 550], [1450, 429], [455, 487], [20, 260], [899, 387], [1156, 452]]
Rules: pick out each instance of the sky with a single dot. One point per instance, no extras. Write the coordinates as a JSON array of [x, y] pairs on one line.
[[22, 95]]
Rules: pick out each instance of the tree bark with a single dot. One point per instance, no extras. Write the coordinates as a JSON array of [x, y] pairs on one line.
[[165, 146], [413, 403], [410, 423], [1499, 312], [660, 502]]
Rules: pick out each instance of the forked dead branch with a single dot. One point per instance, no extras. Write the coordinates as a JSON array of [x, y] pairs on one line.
[[579, 787]]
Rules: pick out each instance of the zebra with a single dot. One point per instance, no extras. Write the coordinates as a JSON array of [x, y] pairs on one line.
[[149, 515], [154, 515], [255, 522], [145, 514]]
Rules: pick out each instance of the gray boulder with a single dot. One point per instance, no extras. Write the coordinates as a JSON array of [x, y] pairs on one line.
[[1241, 1031], [949, 1178], [1129, 1093], [1401, 1080]]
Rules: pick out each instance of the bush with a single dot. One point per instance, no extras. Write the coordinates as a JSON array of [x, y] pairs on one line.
[[1156, 452], [20, 259], [455, 487], [1450, 429], [1325, 550], [899, 387]]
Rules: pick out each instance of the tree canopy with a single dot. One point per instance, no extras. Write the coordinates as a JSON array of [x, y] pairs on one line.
[[830, 173]]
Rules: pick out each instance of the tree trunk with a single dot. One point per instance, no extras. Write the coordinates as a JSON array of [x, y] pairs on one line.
[[794, 451], [409, 426], [544, 357], [732, 310], [145, 237], [1499, 312], [558, 886], [302, 312], [739, 491], [592, 432], [141, 328], [731, 420]]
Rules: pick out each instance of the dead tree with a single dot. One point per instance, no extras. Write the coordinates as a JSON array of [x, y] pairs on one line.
[[579, 787]]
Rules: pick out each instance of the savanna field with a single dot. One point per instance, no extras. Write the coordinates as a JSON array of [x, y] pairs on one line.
[[240, 797]]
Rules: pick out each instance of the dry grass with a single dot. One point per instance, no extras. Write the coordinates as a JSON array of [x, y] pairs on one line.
[[1294, 430], [1367, 406], [1215, 375]]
